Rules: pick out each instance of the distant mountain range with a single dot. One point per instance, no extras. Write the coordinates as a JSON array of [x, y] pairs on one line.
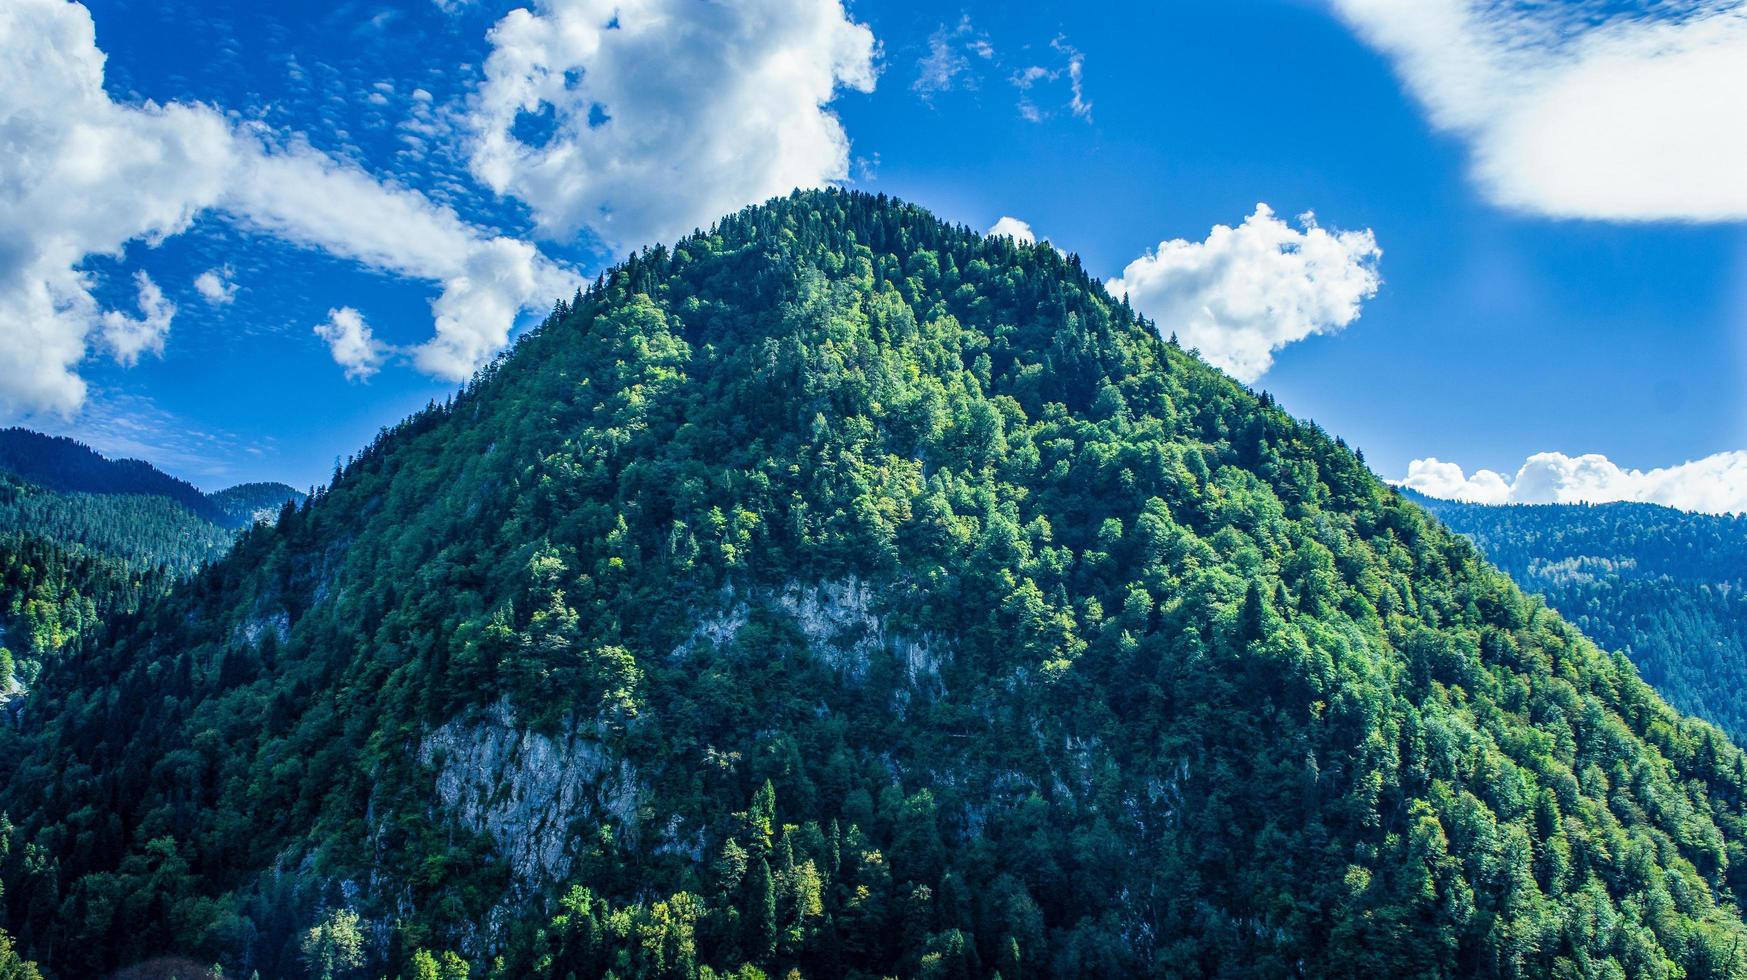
[[83, 537], [68, 494], [1666, 587], [66, 465]]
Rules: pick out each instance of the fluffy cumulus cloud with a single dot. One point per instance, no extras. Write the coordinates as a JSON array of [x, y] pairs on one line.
[[128, 337], [86, 175], [1248, 291], [1013, 228], [640, 120], [215, 286], [1588, 110], [352, 343], [83, 176], [1714, 485]]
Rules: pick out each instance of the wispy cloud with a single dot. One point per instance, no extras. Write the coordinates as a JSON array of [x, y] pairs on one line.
[[123, 425], [948, 63], [1582, 110], [1069, 66]]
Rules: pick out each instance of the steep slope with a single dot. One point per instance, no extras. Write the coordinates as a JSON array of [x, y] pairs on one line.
[[847, 593], [51, 594], [144, 530], [1667, 587]]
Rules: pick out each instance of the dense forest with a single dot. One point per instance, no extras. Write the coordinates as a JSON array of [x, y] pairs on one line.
[[51, 595], [144, 530], [1667, 587], [66, 492], [843, 593], [246, 503]]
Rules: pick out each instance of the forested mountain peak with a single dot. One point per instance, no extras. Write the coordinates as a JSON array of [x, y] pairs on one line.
[[844, 592], [246, 503]]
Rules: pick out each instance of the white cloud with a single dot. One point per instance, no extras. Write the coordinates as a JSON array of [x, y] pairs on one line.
[[85, 176], [943, 63], [1012, 227], [82, 176], [1078, 104], [302, 196], [129, 337], [1072, 67], [947, 65], [1248, 291], [352, 344], [1713, 485], [216, 287], [1620, 112], [657, 116]]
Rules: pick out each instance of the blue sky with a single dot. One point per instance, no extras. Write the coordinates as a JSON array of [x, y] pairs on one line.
[[1539, 294]]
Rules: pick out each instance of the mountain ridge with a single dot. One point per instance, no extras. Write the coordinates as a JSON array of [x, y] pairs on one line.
[[1668, 587], [64, 464]]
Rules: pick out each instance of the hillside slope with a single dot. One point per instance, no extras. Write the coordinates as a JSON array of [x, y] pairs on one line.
[[50, 595], [1667, 587], [144, 530], [847, 593]]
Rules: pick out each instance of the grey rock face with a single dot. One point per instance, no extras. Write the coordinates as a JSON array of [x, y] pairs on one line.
[[527, 791], [537, 795], [842, 627]]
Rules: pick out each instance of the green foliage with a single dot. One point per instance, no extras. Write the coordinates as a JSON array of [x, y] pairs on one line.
[[335, 948], [434, 966], [1666, 587], [13, 966], [52, 595], [1151, 678], [145, 531]]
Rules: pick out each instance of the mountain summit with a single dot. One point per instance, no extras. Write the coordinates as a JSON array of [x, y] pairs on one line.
[[844, 592]]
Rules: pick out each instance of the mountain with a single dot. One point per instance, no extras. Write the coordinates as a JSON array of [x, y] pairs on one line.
[[61, 490], [246, 503], [61, 464], [839, 592], [97, 539], [1667, 587]]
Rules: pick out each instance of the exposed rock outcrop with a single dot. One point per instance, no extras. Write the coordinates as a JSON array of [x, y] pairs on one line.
[[527, 791]]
